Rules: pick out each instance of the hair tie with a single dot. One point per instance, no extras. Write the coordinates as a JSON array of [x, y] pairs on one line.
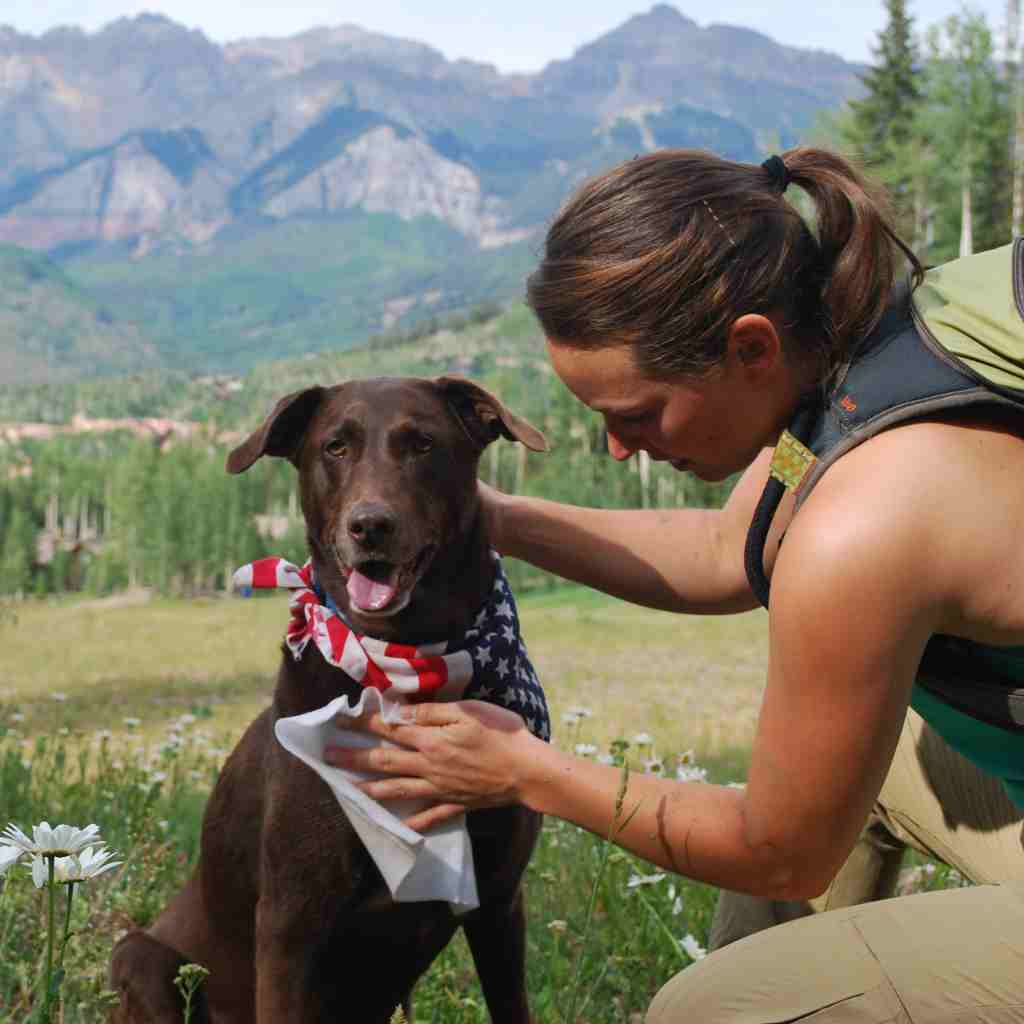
[[778, 172]]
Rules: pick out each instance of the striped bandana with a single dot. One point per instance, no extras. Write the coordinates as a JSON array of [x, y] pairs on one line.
[[490, 663]]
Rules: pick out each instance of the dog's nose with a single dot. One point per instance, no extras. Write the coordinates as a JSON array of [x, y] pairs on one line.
[[371, 525]]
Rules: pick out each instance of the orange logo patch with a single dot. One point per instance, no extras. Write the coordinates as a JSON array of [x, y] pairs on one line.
[[848, 403]]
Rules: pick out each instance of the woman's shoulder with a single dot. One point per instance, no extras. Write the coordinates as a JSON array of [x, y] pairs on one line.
[[939, 501]]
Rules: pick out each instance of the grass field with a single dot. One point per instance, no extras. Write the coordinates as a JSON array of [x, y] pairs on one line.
[[119, 712]]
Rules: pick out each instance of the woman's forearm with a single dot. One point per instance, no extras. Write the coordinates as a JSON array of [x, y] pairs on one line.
[[693, 828], [672, 559]]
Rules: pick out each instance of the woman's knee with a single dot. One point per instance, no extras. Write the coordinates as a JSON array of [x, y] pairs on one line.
[[816, 965]]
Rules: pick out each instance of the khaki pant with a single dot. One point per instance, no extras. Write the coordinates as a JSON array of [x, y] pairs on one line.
[[954, 957]]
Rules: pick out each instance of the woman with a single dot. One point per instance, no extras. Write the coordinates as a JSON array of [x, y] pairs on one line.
[[684, 299]]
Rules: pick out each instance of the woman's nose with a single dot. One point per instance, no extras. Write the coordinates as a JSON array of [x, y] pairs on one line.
[[616, 449]]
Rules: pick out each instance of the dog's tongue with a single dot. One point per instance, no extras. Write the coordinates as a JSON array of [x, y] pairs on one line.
[[368, 594]]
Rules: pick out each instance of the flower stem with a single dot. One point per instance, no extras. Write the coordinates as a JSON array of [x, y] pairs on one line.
[[617, 825], [50, 935], [67, 924]]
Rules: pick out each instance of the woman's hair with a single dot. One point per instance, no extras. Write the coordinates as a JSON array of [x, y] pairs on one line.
[[664, 252]]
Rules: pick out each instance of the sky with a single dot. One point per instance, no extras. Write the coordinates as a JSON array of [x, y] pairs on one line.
[[515, 35]]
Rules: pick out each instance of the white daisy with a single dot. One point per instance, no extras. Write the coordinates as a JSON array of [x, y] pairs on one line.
[[585, 749], [692, 948], [90, 863], [8, 855], [62, 841]]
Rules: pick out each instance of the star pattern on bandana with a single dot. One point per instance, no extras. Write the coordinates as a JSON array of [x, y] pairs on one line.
[[502, 670]]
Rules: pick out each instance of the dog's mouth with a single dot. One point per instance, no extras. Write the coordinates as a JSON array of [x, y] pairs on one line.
[[379, 587]]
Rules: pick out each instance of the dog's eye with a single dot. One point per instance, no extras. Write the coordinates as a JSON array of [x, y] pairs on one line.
[[336, 448], [422, 443]]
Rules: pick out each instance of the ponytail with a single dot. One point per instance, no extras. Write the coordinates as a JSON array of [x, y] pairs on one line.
[[859, 248]]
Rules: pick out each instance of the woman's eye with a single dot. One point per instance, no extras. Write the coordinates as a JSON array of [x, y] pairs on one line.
[[422, 444], [337, 448]]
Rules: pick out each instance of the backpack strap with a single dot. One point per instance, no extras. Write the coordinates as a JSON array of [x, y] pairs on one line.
[[771, 497]]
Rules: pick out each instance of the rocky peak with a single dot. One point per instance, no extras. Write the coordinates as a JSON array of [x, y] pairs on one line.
[[342, 43]]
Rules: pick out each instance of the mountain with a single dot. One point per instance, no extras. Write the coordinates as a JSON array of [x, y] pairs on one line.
[[151, 161]]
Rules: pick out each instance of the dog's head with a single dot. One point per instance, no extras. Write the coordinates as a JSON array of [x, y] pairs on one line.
[[387, 478]]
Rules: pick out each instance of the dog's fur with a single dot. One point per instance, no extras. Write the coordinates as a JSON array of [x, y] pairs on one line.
[[285, 908]]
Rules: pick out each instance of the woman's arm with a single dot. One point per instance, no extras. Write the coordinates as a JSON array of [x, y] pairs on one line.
[[856, 594], [683, 560]]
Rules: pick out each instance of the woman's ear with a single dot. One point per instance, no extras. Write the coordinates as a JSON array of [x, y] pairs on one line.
[[754, 342]]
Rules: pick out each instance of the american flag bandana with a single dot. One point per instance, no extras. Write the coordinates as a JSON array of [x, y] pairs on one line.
[[490, 663]]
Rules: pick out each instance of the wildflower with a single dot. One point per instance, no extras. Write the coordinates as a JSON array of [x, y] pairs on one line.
[[64, 731], [687, 769], [8, 855], [61, 841], [635, 881], [653, 766], [692, 948], [605, 759], [570, 719], [585, 749], [59, 697], [92, 862], [643, 739], [677, 906], [132, 722], [17, 717], [557, 926]]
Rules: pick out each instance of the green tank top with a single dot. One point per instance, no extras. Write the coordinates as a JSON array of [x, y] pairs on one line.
[[993, 749]]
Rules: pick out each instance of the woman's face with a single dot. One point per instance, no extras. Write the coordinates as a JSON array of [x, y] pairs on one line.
[[712, 427]]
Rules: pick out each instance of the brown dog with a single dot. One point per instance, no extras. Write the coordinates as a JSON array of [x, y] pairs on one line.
[[286, 909]]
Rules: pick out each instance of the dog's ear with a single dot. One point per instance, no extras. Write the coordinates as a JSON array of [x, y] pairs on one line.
[[484, 418], [281, 432]]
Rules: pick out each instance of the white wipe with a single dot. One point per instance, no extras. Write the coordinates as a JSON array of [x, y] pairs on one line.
[[434, 866]]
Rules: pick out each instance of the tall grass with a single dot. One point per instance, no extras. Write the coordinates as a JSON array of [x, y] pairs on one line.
[[148, 803], [129, 725]]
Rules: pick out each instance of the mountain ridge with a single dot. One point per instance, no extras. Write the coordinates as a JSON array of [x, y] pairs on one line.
[[177, 179]]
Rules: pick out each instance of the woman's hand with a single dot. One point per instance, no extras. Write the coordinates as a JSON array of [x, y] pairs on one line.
[[460, 755]]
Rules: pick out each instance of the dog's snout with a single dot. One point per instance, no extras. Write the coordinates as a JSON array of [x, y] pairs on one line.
[[371, 525]]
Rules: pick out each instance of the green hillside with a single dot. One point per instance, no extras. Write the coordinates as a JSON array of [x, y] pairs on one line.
[[52, 331], [271, 290], [502, 345]]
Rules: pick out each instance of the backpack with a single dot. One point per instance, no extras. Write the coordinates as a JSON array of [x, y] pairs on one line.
[[956, 342]]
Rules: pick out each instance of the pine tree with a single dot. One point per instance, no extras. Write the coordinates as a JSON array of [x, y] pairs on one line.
[[880, 128], [883, 121]]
